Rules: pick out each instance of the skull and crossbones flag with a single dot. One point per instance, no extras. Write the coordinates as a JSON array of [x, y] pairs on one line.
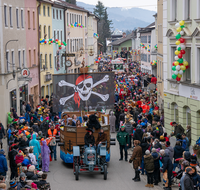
[[75, 92]]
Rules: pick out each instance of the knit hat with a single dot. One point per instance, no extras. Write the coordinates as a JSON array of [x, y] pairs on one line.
[[33, 185], [13, 184], [20, 152], [147, 152], [162, 138], [2, 151], [193, 160], [40, 173], [153, 150], [22, 174], [31, 168], [188, 169]]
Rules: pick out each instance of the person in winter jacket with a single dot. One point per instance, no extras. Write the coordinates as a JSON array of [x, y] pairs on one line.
[[138, 135], [156, 157], [32, 157], [149, 167], [196, 178], [136, 158], [102, 137], [45, 153], [89, 138], [178, 129], [187, 155], [13, 165], [22, 181], [178, 153], [2, 134], [112, 120], [10, 118], [3, 163], [123, 139], [169, 150], [31, 173], [188, 133], [188, 182], [167, 166], [129, 130], [19, 158], [185, 142]]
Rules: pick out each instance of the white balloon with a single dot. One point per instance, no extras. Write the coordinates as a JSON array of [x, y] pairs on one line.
[[176, 72], [182, 33], [177, 25], [176, 58], [180, 72], [182, 46], [178, 67]]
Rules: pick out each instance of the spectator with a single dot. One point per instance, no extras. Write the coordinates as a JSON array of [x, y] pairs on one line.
[[13, 165], [156, 157], [28, 107], [188, 133], [188, 183], [178, 153], [178, 129], [22, 181], [169, 150], [31, 174], [185, 142], [2, 134], [3, 163]]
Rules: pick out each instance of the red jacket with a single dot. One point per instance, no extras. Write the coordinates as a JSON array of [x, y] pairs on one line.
[[154, 80], [19, 159]]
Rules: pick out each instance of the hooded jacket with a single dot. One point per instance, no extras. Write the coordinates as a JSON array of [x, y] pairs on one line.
[[167, 164], [188, 183], [178, 152], [2, 131], [9, 118], [3, 164], [149, 163], [11, 156], [144, 146], [36, 146], [156, 160], [138, 135], [19, 159], [170, 151], [31, 176]]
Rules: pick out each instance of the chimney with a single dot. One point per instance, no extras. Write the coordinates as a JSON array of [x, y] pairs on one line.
[[124, 35]]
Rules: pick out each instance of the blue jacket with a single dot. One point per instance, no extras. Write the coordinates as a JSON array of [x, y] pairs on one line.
[[156, 160], [3, 164], [196, 179], [28, 107], [185, 144], [27, 117], [167, 164], [36, 146]]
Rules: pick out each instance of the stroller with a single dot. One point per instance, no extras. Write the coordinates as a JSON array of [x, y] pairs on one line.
[[176, 176]]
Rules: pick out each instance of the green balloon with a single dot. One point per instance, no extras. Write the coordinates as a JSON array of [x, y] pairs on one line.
[[178, 36], [184, 71], [179, 48], [174, 68], [174, 76], [182, 26], [180, 60]]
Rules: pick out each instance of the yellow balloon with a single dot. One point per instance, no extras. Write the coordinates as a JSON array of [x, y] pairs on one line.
[[183, 67], [182, 22], [179, 76], [177, 52], [176, 63], [185, 63], [178, 42], [178, 29]]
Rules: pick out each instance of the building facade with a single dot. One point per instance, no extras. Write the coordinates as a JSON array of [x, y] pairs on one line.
[[31, 29], [182, 99], [12, 56]]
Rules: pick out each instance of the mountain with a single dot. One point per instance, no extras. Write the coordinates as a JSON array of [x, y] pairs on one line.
[[125, 19]]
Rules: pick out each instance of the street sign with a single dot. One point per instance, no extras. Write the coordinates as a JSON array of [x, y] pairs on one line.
[[68, 55], [25, 79]]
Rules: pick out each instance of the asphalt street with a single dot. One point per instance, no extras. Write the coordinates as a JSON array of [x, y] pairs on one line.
[[120, 174]]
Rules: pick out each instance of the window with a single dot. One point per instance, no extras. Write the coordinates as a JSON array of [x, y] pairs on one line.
[[54, 34], [73, 45], [85, 21], [67, 18], [29, 25], [5, 15], [57, 14], [49, 32], [149, 39], [39, 10], [33, 20], [40, 35], [74, 70], [173, 49], [50, 64], [61, 36], [22, 18], [58, 35], [158, 69], [115, 48], [55, 60], [13, 58], [149, 60], [45, 60], [41, 61], [70, 18], [68, 46], [17, 17], [45, 32], [161, 64], [188, 58], [29, 56], [60, 15], [187, 9], [143, 39], [81, 19], [77, 18], [160, 33], [7, 60], [198, 58], [48, 10], [34, 54], [23, 57], [144, 57], [53, 14], [174, 10], [10, 13], [19, 58], [85, 43], [44, 12]]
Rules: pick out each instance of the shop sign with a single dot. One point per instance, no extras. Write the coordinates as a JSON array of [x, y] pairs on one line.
[[25, 73]]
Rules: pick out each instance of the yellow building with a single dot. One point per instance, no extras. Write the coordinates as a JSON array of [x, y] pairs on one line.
[[46, 50]]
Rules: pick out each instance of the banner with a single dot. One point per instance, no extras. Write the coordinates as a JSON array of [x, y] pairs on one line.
[[76, 92]]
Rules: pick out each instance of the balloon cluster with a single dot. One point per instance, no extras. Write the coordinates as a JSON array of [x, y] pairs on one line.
[[156, 46], [154, 62], [180, 65], [61, 45], [96, 36], [145, 47], [97, 60], [75, 25]]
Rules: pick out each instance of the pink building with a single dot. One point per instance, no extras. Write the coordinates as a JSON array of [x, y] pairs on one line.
[[32, 50]]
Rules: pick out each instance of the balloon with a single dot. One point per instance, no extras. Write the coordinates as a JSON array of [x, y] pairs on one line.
[[178, 42], [182, 27], [180, 72], [185, 63], [180, 55], [182, 46], [178, 67], [176, 58], [178, 29], [187, 67], [178, 79], [183, 67], [177, 52], [182, 33], [174, 68], [177, 25], [174, 76], [178, 36], [182, 23], [173, 64], [182, 40], [183, 52], [176, 72], [184, 71], [179, 76], [180, 60], [176, 63]]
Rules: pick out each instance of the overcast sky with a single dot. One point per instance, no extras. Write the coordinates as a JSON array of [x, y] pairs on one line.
[[145, 4]]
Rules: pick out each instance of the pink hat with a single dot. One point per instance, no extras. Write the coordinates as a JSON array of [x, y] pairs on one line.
[[33, 185]]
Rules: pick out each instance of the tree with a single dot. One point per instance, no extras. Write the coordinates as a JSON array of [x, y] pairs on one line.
[[104, 24]]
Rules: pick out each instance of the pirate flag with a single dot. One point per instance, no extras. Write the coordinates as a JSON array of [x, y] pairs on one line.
[[74, 92]]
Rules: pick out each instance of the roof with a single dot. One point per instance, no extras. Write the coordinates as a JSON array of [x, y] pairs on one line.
[[149, 28], [72, 6], [122, 40]]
